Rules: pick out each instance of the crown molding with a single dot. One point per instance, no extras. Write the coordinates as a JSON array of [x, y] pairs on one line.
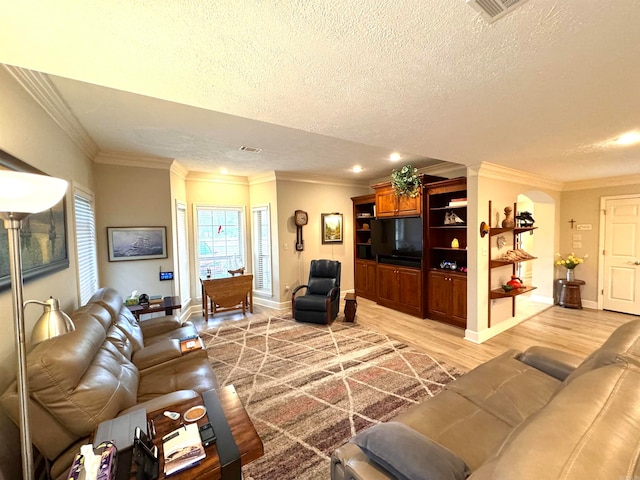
[[445, 169], [44, 92], [178, 169], [442, 169], [262, 178], [507, 174], [205, 177], [129, 160], [602, 183], [296, 177]]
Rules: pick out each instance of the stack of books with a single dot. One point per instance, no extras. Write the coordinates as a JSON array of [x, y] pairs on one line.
[[458, 202]]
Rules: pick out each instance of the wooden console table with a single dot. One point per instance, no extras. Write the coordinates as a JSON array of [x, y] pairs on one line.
[[228, 293], [169, 304], [242, 429]]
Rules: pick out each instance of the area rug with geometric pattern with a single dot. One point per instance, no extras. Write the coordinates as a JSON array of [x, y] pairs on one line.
[[309, 388]]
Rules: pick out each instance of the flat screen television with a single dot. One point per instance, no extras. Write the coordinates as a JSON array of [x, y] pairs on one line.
[[397, 237]]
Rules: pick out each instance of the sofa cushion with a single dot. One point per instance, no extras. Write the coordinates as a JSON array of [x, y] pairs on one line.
[[109, 298], [126, 322], [192, 372], [624, 340], [81, 379], [454, 422], [507, 388], [409, 455], [588, 430]]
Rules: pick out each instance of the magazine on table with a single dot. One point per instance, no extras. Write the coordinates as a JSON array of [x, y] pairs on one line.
[[182, 448]]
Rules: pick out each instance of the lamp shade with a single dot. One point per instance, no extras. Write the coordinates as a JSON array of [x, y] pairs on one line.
[[29, 193], [53, 322]]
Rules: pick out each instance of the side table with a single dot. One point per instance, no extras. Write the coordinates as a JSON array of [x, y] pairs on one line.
[[350, 307], [570, 293], [242, 429], [168, 304]]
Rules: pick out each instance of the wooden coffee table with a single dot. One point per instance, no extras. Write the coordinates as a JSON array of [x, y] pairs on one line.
[[242, 428]]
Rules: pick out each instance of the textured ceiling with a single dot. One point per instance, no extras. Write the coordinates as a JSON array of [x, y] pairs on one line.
[[536, 90]]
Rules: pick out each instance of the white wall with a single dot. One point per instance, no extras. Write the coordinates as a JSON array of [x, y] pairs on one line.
[[503, 187]]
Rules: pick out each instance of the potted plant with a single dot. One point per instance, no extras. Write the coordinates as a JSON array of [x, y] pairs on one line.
[[406, 181]]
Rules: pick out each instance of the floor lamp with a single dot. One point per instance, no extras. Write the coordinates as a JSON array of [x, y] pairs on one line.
[[20, 195]]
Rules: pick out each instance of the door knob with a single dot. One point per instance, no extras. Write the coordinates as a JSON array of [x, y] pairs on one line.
[[637, 262]]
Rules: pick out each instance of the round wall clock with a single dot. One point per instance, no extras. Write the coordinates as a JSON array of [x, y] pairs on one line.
[[302, 218]]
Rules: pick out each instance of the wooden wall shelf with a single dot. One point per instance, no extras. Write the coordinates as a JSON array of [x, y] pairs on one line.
[[499, 293]]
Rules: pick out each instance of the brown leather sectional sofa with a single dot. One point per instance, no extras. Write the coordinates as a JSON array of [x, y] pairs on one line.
[[109, 365], [541, 414]]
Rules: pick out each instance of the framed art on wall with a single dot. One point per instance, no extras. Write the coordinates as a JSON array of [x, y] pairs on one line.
[[331, 228], [43, 236], [136, 243]]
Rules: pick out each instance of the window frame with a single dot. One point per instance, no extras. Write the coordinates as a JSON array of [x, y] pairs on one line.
[[86, 196], [260, 285], [242, 235]]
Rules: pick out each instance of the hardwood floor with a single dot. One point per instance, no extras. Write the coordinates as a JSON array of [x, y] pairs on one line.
[[574, 331]]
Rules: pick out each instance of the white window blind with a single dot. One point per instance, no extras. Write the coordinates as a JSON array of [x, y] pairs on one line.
[[262, 249], [183, 252], [85, 245], [219, 240]]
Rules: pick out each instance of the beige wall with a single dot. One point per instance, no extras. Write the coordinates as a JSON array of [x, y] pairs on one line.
[[133, 197], [315, 199], [583, 206], [203, 189], [29, 134]]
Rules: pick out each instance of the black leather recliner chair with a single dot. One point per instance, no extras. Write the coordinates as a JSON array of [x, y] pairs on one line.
[[320, 303]]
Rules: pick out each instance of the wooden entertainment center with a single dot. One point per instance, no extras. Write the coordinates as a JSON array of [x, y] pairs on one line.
[[433, 286]]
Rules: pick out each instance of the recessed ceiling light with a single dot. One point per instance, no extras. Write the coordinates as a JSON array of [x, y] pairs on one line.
[[224, 171], [628, 138], [357, 169], [394, 157]]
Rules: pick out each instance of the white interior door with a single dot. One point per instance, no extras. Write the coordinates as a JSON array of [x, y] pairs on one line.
[[621, 280]]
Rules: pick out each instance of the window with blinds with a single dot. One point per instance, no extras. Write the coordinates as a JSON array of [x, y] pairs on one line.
[[219, 240], [183, 252], [85, 245], [262, 249]]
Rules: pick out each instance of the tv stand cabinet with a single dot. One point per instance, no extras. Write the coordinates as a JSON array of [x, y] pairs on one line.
[[400, 288]]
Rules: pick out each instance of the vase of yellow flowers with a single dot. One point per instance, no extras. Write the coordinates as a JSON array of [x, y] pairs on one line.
[[570, 262]]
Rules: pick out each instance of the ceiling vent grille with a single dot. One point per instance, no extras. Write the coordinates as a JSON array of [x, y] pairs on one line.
[[250, 149], [492, 10]]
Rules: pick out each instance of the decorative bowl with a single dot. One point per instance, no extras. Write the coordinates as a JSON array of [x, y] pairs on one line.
[[507, 288]]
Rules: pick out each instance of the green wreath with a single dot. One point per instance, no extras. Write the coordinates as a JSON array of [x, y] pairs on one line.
[[406, 181]]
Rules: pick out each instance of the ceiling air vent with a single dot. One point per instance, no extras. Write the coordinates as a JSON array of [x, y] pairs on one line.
[[250, 149], [492, 10]]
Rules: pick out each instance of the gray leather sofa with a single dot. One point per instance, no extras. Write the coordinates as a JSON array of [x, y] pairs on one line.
[[110, 365], [540, 414]]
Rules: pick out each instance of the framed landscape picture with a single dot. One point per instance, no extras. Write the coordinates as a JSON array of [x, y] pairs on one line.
[[136, 243], [331, 228], [43, 236]]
